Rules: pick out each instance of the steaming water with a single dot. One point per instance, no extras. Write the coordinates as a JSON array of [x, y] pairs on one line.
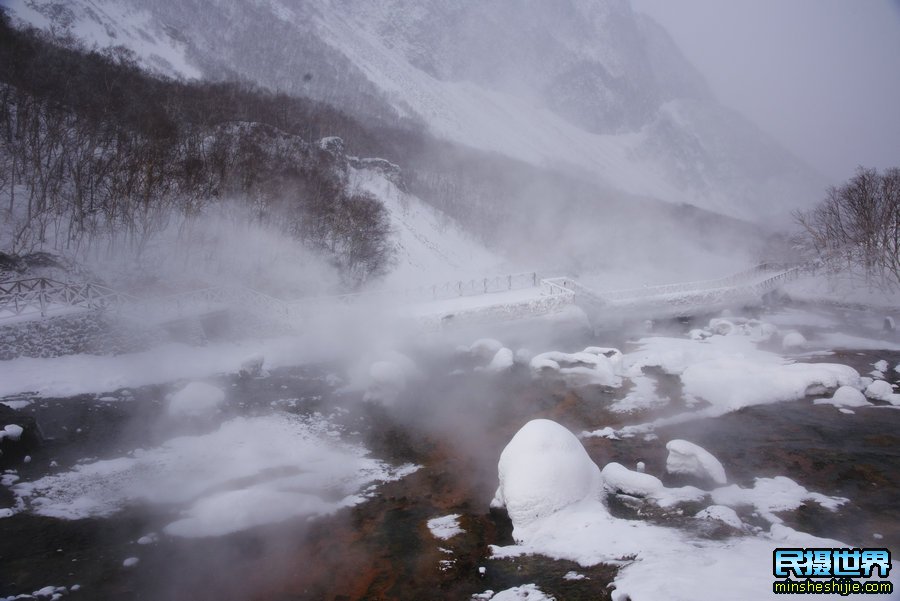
[[452, 421]]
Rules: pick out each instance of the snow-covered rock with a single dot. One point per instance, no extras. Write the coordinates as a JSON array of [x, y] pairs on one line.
[[721, 513], [445, 527], [722, 327], [793, 340], [880, 390], [543, 469], [845, 396], [688, 458], [698, 334], [593, 366], [195, 400], [485, 348], [503, 360], [619, 479], [252, 367], [12, 432]]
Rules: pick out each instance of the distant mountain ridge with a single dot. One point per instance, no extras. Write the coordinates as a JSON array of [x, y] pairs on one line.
[[582, 85]]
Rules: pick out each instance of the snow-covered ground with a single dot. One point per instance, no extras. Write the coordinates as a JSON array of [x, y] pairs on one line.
[[430, 247]]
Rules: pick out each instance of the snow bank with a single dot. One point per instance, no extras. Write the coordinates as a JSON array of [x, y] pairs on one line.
[[195, 400], [526, 592], [445, 527], [251, 471], [688, 458], [770, 495], [595, 366], [839, 340], [845, 396], [543, 469], [731, 383], [79, 374]]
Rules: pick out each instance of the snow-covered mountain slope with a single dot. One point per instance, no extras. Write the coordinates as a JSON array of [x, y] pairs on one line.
[[582, 85], [102, 25], [429, 247]]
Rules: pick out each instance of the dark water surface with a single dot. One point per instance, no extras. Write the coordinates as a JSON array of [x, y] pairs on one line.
[[454, 426]]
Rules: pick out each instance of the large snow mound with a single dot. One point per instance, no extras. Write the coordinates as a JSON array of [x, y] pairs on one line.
[[543, 469], [688, 458]]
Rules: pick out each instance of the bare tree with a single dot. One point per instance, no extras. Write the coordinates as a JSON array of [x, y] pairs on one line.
[[856, 228]]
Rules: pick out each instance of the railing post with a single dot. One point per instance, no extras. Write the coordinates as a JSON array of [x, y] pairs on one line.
[[42, 301]]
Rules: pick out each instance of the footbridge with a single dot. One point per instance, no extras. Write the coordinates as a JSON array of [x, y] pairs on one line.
[[512, 296]]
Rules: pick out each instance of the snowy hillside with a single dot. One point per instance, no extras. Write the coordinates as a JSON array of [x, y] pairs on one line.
[[429, 247], [590, 87]]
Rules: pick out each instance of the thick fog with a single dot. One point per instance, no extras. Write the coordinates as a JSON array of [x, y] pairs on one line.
[[337, 276], [818, 75]]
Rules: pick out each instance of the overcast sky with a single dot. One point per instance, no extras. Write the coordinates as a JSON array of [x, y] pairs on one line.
[[822, 76]]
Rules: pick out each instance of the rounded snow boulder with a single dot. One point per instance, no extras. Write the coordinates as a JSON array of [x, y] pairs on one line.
[[793, 340], [693, 460], [12, 432], [485, 348], [880, 390], [845, 396], [618, 479], [195, 400], [722, 327], [543, 469], [503, 361]]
